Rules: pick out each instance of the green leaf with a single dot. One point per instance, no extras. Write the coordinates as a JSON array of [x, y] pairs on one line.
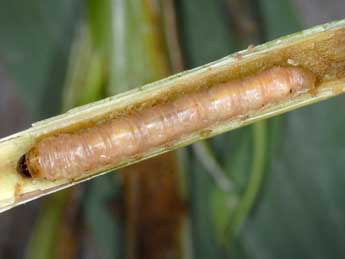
[[279, 18], [138, 52], [204, 31], [86, 74], [34, 45]]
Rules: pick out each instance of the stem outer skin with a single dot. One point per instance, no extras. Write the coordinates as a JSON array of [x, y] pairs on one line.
[[305, 48]]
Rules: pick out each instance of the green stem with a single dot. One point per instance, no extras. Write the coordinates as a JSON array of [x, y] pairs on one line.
[[206, 157], [257, 172]]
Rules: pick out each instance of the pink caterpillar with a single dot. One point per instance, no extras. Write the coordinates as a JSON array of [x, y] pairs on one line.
[[70, 155]]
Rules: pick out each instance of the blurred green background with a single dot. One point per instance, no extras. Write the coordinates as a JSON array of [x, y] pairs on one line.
[[287, 173]]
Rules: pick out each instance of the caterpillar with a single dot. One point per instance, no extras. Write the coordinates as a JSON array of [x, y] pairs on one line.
[[71, 155]]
